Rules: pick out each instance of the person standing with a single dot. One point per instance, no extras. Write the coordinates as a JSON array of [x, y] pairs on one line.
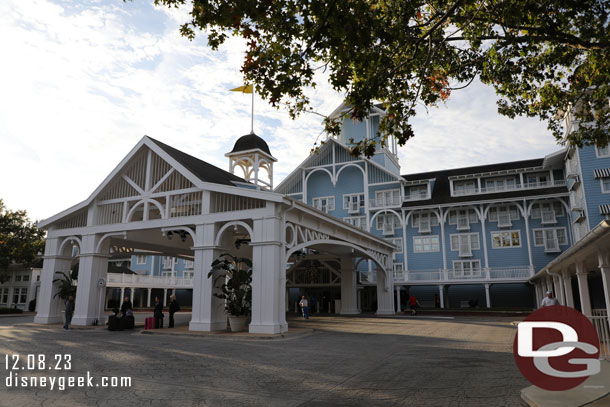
[[69, 311], [413, 304], [158, 313], [549, 301], [305, 306], [126, 306], [173, 308]]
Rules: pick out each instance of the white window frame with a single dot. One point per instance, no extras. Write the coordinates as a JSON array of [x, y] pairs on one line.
[[471, 215], [543, 232], [17, 278], [353, 202], [419, 247], [605, 190], [21, 293], [460, 271], [397, 270], [501, 234], [4, 295], [167, 263], [357, 221], [382, 196], [324, 203], [139, 258], [25, 278], [600, 154], [459, 190], [189, 264], [419, 195], [504, 181], [188, 274], [381, 221], [397, 242], [431, 220], [464, 247]]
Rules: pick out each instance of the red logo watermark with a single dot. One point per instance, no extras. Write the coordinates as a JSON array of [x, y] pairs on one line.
[[556, 348]]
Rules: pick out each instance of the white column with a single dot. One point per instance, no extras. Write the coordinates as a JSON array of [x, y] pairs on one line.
[[11, 290], [49, 307], [385, 297], [487, 296], [604, 268], [583, 289], [537, 289], [92, 268], [164, 297], [441, 295], [148, 298], [567, 286], [266, 267], [133, 290], [349, 287], [122, 296], [208, 311], [397, 289], [558, 280]]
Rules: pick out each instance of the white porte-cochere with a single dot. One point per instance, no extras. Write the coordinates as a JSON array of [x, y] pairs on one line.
[[162, 201]]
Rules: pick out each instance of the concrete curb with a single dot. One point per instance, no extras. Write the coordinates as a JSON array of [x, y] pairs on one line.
[[595, 391], [226, 335]]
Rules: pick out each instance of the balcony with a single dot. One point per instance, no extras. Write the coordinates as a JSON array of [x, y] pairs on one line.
[[440, 276], [508, 188], [387, 202], [145, 281]]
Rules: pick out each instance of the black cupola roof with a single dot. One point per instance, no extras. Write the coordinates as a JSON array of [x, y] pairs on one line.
[[250, 142]]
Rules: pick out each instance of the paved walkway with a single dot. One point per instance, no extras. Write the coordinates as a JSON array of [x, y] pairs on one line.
[[326, 361]]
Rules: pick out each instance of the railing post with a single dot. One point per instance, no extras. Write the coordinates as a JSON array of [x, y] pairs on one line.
[[487, 273]]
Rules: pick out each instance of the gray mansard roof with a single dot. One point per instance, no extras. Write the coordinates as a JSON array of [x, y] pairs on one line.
[[441, 192]]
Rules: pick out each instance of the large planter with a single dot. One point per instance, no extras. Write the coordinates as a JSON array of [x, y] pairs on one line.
[[238, 324]]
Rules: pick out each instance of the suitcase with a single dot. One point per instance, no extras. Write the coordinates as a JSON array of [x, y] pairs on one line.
[[113, 323], [149, 323]]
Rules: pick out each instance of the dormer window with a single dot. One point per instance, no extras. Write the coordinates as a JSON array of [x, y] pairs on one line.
[[416, 192], [465, 187], [500, 184]]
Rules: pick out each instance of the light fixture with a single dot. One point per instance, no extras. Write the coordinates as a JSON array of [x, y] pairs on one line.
[[169, 235]]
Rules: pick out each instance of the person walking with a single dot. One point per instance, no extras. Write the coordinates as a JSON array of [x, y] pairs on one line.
[[305, 306], [173, 308], [158, 313], [69, 311], [549, 301], [413, 304]]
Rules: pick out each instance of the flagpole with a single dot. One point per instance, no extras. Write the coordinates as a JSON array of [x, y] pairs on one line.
[[252, 116]]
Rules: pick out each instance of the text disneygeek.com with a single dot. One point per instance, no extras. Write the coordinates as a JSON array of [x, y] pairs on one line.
[[18, 365]]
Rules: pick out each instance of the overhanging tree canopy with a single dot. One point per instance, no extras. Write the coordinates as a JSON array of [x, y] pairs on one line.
[[20, 239], [541, 57]]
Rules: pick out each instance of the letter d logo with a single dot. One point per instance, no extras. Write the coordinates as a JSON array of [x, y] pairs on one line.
[[525, 337]]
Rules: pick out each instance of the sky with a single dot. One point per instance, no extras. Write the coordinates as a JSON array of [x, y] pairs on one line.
[[81, 82]]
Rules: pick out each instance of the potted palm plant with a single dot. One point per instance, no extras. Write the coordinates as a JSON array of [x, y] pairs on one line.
[[236, 289]]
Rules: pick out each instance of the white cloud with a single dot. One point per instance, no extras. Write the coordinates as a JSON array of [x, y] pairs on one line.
[[81, 83]]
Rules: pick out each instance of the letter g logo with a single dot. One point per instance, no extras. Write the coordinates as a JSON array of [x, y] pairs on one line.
[[556, 348]]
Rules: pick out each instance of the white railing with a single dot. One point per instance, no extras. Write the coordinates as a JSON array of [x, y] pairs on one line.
[[517, 273], [417, 196], [516, 187], [148, 281], [599, 319], [387, 202]]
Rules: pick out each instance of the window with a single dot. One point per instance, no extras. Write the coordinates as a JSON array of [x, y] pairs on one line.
[[358, 221], [20, 295], [499, 184], [25, 278], [467, 268], [390, 197], [503, 215], [424, 221], [426, 244], [416, 192], [353, 202], [536, 180], [465, 243], [547, 211], [509, 238], [140, 259], [188, 264], [387, 223], [605, 182], [397, 269], [168, 262], [462, 218], [17, 278], [464, 187], [324, 203], [3, 295], [188, 274], [397, 242], [602, 152], [551, 239]]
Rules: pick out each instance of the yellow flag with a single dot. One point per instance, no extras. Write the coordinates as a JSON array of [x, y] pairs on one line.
[[243, 89]]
